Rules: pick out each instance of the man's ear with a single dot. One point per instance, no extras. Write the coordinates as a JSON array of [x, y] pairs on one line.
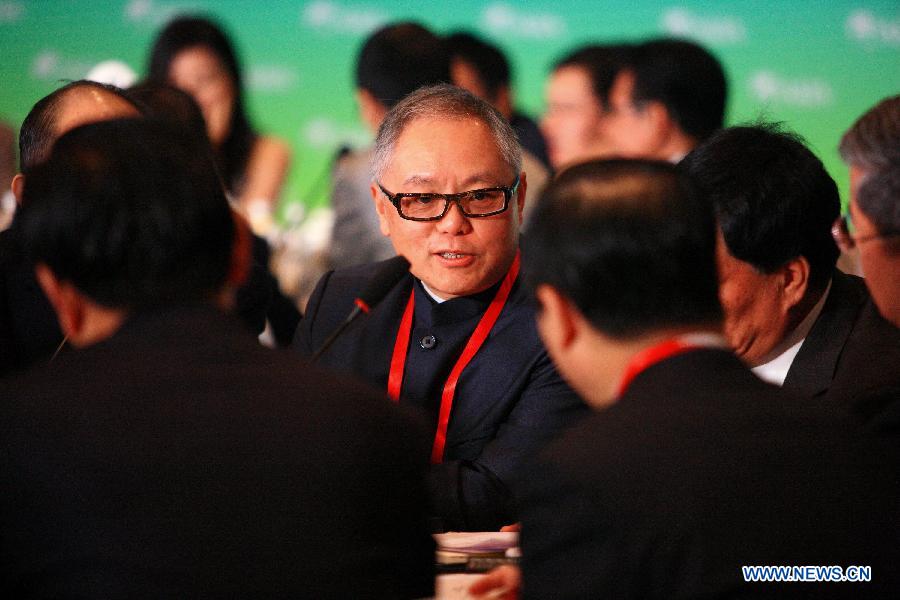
[[381, 206], [65, 299], [794, 281], [503, 102], [18, 187], [520, 200], [558, 321], [371, 110]]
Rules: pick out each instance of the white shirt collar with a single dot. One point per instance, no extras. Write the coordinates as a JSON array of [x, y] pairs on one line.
[[776, 370], [434, 296]]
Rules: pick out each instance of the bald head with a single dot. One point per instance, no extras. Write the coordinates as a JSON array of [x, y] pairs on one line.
[[74, 104]]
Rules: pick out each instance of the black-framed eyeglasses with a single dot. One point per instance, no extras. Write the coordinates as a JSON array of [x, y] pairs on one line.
[[842, 229], [427, 206]]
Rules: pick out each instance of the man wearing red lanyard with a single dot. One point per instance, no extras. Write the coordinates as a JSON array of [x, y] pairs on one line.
[[456, 337], [692, 467]]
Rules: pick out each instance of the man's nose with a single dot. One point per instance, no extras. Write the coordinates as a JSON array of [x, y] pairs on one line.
[[454, 221]]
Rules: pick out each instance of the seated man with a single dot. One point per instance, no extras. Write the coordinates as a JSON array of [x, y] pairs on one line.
[[789, 313], [872, 149], [29, 332], [171, 456], [456, 337], [692, 468]]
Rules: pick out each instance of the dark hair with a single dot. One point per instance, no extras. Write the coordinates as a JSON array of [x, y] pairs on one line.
[[167, 103], [629, 243], [601, 63], [488, 60], [130, 212], [873, 145], [400, 58], [38, 131], [686, 79], [773, 197], [189, 32]]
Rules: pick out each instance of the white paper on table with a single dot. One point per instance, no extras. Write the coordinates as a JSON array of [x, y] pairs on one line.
[[455, 586], [477, 541]]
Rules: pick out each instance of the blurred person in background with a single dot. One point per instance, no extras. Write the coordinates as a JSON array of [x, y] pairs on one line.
[[482, 69], [7, 171], [667, 97], [259, 301], [195, 55], [393, 62], [577, 102]]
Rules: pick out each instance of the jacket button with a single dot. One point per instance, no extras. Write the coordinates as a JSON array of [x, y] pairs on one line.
[[428, 342]]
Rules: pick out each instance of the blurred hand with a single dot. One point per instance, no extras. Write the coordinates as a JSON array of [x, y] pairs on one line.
[[502, 583]]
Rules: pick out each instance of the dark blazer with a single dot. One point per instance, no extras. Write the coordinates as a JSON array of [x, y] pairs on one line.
[[848, 332], [181, 459], [509, 400], [700, 469], [30, 333]]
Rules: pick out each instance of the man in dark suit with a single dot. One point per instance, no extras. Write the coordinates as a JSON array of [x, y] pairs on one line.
[[692, 468], [789, 313], [171, 455], [455, 338], [872, 149], [28, 329]]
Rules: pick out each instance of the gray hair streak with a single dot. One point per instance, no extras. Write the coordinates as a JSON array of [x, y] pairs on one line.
[[443, 101]]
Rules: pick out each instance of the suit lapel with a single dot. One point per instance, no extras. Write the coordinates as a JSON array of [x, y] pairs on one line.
[[816, 362]]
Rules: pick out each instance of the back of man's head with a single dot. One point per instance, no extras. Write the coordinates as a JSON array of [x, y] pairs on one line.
[[131, 213], [40, 128], [683, 77], [487, 60], [400, 58], [630, 244], [872, 145], [601, 63], [773, 198]]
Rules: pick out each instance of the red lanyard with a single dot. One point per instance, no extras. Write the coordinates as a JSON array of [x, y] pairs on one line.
[[649, 357], [398, 359]]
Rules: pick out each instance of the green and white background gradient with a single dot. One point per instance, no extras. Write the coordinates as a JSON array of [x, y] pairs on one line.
[[816, 65]]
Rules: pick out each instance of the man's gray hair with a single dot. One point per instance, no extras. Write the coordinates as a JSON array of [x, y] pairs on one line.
[[873, 142], [873, 145], [444, 102]]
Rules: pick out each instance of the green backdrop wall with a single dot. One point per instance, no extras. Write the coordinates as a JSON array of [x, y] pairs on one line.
[[816, 65]]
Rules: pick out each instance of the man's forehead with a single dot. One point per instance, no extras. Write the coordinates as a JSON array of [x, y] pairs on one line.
[[421, 155], [83, 105]]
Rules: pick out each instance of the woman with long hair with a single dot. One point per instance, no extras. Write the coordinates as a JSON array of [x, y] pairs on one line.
[[195, 55]]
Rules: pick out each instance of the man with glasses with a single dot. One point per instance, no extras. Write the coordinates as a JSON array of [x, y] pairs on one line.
[[789, 313], [872, 149], [456, 337]]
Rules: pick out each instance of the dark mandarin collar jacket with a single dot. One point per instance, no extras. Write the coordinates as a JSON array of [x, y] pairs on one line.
[[509, 399]]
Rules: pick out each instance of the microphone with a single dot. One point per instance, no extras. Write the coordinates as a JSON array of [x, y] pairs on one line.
[[376, 289]]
